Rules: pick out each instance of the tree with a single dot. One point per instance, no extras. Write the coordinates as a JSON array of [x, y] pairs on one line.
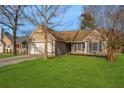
[[87, 21], [110, 20], [26, 33], [97, 12], [114, 30], [48, 16], [11, 17]]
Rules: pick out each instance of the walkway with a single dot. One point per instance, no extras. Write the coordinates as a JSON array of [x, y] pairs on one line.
[[17, 59]]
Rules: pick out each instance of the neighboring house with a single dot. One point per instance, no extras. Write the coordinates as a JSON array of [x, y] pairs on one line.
[[6, 44], [22, 45], [71, 42]]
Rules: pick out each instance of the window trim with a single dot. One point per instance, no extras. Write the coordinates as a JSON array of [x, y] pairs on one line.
[[96, 46], [78, 46], [8, 46]]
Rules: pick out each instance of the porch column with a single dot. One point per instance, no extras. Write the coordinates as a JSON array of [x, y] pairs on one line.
[[85, 49], [20, 48], [53, 47], [81, 47], [98, 46], [102, 47], [105, 47], [29, 47]]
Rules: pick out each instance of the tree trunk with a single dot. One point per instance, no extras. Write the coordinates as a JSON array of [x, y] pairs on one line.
[[111, 54], [14, 42], [45, 45]]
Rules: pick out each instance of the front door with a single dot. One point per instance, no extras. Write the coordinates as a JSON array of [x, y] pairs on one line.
[[68, 47]]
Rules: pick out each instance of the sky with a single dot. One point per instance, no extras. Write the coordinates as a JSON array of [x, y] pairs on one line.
[[70, 21], [71, 18]]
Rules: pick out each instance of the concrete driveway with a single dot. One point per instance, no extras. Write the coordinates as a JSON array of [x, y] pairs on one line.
[[17, 59]]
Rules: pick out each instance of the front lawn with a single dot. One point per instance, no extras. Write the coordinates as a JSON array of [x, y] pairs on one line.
[[6, 55], [65, 71], [2, 55]]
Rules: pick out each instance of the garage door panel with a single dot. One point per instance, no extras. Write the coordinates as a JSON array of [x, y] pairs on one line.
[[38, 48]]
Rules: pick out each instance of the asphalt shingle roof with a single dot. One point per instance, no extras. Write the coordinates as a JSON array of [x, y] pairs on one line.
[[67, 36], [75, 35], [21, 39], [8, 35]]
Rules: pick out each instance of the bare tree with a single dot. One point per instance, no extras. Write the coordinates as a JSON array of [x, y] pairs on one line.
[[11, 17], [114, 30], [26, 33], [110, 20], [48, 16]]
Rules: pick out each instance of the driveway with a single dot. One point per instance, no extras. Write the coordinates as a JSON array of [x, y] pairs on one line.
[[17, 59]]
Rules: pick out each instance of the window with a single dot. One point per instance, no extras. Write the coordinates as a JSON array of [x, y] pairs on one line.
[[24, 45], [83, 46], [8, 46], [72, 47], [100, 46], [94, 46], [78, 46]]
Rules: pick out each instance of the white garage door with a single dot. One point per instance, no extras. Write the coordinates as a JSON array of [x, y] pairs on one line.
[[37, 48]]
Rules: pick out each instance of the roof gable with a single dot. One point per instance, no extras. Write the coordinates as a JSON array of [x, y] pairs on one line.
[[21, 39], [9, 36], [95, 35], [38, 34], [7, 40]]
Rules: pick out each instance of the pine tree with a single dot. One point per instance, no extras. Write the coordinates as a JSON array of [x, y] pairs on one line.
[[87, 21]]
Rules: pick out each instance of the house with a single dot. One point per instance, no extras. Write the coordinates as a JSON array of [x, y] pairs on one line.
[[22, 45], [87, 42], [72, 42], [6, 43]]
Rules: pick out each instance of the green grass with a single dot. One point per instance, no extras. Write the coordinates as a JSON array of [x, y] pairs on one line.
[[65, 71], [6, 55], [2, 55]]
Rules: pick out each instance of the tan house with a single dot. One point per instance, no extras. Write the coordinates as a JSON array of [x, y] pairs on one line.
[[71, 42]]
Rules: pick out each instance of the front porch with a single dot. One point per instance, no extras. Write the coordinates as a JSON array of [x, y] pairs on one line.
[[88, 48], [22, 48]]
